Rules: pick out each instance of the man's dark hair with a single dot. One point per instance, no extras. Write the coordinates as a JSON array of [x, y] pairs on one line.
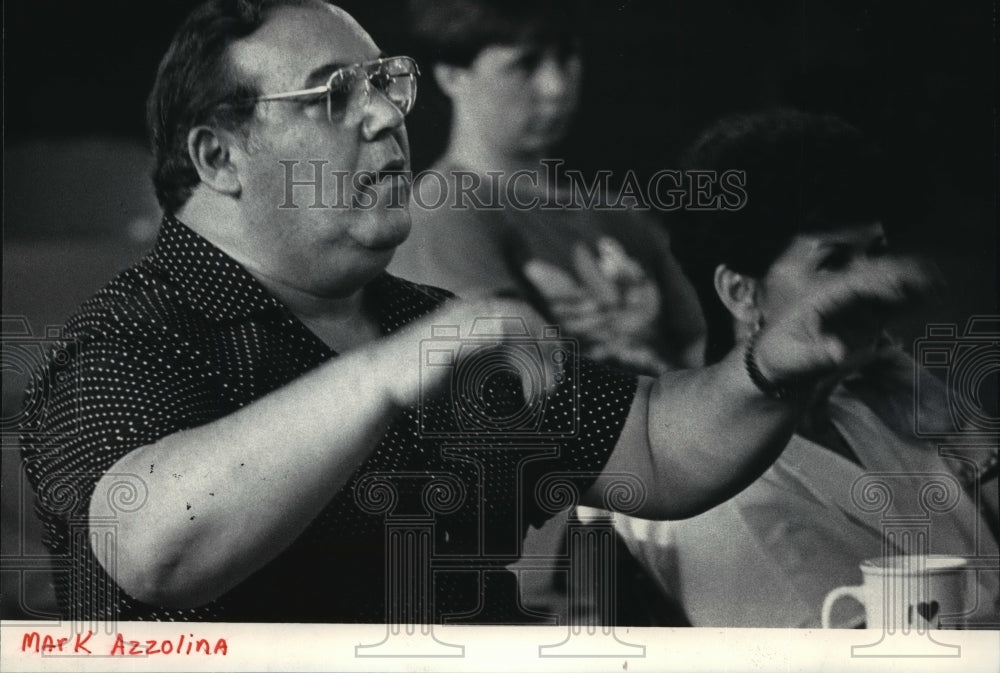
[[195, 84], [455, 31], [804, 173]]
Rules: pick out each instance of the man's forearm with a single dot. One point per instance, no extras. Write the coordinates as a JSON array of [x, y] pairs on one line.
[[695, 438], [227, 497], [713, 432]]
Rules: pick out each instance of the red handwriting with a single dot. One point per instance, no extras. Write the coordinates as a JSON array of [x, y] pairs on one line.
[[47, 643], [122, 646], [167, 646]]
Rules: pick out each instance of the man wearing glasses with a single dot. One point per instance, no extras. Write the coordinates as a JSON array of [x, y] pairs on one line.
[[223, 418]]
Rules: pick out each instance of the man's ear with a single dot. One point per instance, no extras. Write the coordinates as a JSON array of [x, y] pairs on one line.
[[210, 150], [448, 77], [738, 293]]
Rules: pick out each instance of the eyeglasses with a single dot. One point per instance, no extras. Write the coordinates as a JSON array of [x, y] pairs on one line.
[[350, 87]]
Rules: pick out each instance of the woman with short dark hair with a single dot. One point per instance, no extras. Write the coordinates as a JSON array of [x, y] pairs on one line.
[[768, 557]]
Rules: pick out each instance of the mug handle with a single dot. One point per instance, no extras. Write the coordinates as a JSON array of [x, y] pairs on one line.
[[833, 597]]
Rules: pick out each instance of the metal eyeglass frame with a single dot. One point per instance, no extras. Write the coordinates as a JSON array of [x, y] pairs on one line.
[[370, 70]]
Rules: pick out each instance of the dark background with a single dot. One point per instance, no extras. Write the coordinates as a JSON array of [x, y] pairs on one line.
[[918, 76]]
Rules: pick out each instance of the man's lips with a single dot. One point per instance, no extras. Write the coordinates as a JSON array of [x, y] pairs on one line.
[[396, 165], [394, 170]]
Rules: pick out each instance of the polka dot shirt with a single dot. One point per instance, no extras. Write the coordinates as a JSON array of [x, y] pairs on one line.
[[423, 530]]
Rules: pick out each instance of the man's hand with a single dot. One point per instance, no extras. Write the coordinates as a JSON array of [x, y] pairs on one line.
[[274, 464], [842, 321], [493, 319], [699, 436]]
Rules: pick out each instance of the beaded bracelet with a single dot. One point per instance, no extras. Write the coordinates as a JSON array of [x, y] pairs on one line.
[[773, 390]]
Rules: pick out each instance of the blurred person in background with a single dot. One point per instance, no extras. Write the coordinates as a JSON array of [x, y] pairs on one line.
[[512, 72]]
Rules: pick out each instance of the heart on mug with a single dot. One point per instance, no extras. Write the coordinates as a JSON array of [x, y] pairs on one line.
[[928, 611]]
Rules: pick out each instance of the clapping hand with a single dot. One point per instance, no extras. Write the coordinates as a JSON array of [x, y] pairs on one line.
[[610, 304]]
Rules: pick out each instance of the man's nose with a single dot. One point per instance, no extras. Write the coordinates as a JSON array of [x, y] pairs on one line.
[[380, 115], [555, 76]]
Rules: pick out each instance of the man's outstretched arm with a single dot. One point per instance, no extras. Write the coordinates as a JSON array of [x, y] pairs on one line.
[[695, 436], [698, 437]]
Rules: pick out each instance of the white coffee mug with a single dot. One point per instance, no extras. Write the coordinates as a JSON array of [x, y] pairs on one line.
[[903, 593]]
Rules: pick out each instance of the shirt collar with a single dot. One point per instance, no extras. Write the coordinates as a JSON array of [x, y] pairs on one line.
[[216, 284], [223, 290]]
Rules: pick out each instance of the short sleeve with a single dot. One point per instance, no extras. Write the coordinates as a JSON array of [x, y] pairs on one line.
[[103, 398], [597, 399]]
